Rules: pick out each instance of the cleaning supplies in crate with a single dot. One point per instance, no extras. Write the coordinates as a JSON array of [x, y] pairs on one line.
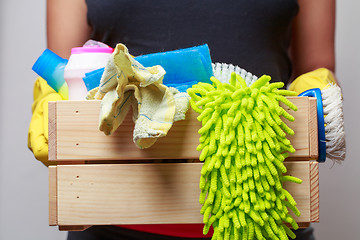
[[184, 67], [66, 77], [243, 143], [51, 68], [321, 84]]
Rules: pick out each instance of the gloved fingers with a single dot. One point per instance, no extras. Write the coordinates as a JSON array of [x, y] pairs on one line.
[[38, 128], [320, 78], [41, 89]]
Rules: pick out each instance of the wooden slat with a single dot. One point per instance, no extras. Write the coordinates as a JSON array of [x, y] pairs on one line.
[[302, 225], [74, 228], [53, 196], [313, 129], [300, 192], [78, 137], [314, 192], [146, 193], [52, 140]]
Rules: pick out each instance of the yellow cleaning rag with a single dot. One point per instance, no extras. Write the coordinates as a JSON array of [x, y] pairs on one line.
[[38, 128], [126, 83]]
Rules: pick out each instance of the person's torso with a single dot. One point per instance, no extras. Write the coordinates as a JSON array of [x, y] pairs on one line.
[[254, 35]]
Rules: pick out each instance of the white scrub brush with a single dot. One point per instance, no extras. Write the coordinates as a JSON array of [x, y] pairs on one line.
[[222, 72], [334, 123]]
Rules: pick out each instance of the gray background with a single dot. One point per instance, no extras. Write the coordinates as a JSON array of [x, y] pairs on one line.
[[23, 181]]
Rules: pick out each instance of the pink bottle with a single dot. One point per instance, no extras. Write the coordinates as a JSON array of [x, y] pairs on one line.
[[83, 60]]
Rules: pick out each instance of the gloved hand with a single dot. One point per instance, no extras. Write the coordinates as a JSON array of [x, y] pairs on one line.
[[331, 138], [38, 128], [320, 78]]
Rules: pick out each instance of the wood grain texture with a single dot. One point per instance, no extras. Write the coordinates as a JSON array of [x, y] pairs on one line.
[[74, 228], [300, 192], [52, 140], [313, 129], [314, 192], [300, 224], [53, 196], [78, 137], [98, 194]]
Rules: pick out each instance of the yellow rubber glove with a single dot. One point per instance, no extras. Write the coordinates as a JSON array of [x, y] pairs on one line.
[[38, 128], [320, 78]]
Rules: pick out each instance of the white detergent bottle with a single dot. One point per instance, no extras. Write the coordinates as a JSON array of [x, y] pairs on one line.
[[83, 60]]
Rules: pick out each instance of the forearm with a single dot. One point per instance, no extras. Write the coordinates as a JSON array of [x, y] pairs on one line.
[[67, 25], [312, 43]]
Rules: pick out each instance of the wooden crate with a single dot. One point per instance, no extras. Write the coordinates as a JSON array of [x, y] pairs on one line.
[[101, 180]]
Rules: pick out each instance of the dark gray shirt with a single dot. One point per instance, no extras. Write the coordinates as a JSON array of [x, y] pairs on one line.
[[254, 35]]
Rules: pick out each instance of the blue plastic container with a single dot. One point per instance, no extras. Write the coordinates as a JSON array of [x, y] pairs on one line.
[[51, 67]]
